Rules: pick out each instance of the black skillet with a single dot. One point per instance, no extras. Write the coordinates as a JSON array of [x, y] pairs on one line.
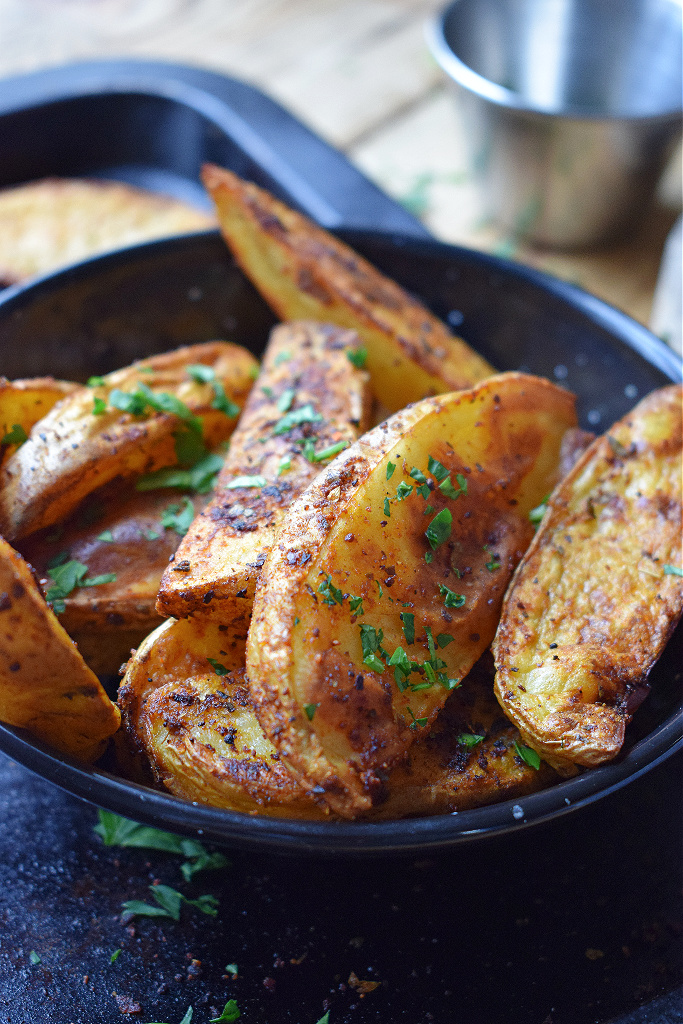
[[105, 312]]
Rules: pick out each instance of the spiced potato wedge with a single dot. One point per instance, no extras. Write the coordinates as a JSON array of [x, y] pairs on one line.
[[309, 402], [23, 403], [598, 593], [45, 685], [188, 712], [387, 577], [304, 273], [117, 545], [132, 422]]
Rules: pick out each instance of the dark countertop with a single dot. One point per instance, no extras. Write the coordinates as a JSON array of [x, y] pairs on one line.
[[575, 922]]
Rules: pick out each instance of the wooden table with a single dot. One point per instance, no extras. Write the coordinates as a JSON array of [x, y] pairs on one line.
[[359, 73]]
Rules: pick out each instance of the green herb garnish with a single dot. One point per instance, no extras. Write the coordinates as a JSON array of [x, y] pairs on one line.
[[34, 958], [115, 955], [107, 537], [331, 594], [451, 599], [357, 356], [17, 435], [178, 518], [294, 418], [672, 570], [168, 903], [439, 530], [387, 508], [408, 620], [95, 382], [470, 739], [99, 406], [391, 466], [285, 400], [218, 668], [528, 755], [200, 477], [246, 481], [229, 1014], [309, 710], [117, 831], [403, 490]]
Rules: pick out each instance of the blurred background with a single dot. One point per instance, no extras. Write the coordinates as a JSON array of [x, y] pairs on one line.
[[360, 73]]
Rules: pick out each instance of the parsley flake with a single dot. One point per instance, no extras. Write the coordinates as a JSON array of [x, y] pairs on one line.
[[387, 508], [537, 513], [357, 356], [282, 357], [309, 710], [115, 955], [34, 958], [178, 518], [230, 1013], [439, 530], [99, 406], [493, 563], [232, 969], [200, 477], [107, 537], [331, 594], [246, 481], [672, 570], [17, 435], [294, 418], [391, 466], [528, 755], [421, 722], [169, 902], [310, 453], [218, 668], [285, 400], [470, 739], [403, 490], [451, 599], [437, 469], [408, 620], [95, 382], [418, 475], [444, 639], [284, 464]]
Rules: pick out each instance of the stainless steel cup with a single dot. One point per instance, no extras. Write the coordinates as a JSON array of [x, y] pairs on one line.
[[571, 108]]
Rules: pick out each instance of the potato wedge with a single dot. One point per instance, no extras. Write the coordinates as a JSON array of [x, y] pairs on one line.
[[386, 581], [45, 686], [121, 535], [305, 373], [304, 273], [193, 719], [85, 441], [23, 403], [592, 605]]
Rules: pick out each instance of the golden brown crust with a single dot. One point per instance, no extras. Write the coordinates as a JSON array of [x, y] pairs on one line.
[[305, 273], [591, 607], [45, 686], [339, 720], [116, 531], [306, 366], [45, 224], [72, 450]]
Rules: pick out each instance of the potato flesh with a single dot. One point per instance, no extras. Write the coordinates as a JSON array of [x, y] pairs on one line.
[[305, 364], [120, 534], [24, 402], [303, 272], [590, 608], [72, 452], [338, 722], [45, 686]]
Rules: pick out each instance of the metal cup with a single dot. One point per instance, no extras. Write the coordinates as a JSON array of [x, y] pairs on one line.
[[571, 108]]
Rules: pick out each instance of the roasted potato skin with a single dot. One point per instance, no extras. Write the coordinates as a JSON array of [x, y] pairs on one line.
[[198, 729], [72, 451], [305, 364], [45, 686], [116, 530], [303, 272], [340, 724], [590, 608]]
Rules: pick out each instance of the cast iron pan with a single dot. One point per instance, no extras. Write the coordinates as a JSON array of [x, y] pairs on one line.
[[101, 314]]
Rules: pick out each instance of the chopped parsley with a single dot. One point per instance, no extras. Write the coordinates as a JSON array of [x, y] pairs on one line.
[[168, 903], [408, 620], [200, 477], [99, 406], [107, 537], [447, 488], [437, 469], [17, 435], [178, 518], [187, 1019], [673, 570], [246, 481], [218, 668], [429, 557], [284, 402], [403, 490], [284, 464], [331, 594], [416, 721], [294, 418], [207, 375], [232, 969], [387, 508], [309, 710], [115, 955], [66, 576], [451, 599], [418, 475], [493, 563], [444, 639], [528, 755], [356, 605], [391, 466], [34, 958], [95, 382], [357, 356], [230, 1013], [470, 739], [439, 530], [537, 513], [310, 453], [282, 357]]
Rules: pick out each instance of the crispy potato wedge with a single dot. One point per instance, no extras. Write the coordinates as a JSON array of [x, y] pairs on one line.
[[200, 735], [386, 581], [119, 534], [45, 686], [304, 273], [305, 372], [591, 605], [73, 450], [198, 728], [24, 402]]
